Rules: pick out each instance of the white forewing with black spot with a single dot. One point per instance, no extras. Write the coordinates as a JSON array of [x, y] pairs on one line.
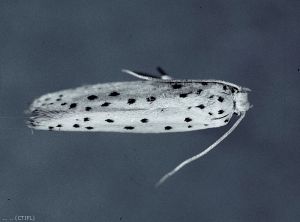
[[151, 105], [154, 106]]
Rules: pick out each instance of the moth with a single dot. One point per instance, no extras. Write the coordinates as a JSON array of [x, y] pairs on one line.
[[154, 104]]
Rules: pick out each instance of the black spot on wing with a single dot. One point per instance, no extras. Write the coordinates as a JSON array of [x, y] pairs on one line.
[[92, 97], [168, 127], [220, 111], [86, 119], [183, 95], [144, 120], [50, 127], [225, 87], [212, 96], [76, 126], [105, 104], [190, 126], [151, 99], [88, 108], [89, 127], [114, 93], [109, 120], [176, 85], [129, 127], [131, 101], [199, 91], [201, 106], [226, 120], [220, 99], [59, 125], [73, 105], [63, 104], [187, 119], [204, 83], [210, 113]]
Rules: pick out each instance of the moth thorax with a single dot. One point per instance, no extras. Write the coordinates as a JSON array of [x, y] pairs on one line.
[[241, 102]]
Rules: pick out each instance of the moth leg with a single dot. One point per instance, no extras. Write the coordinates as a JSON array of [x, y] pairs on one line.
[[163, 74], [141, 75], [147, 76]]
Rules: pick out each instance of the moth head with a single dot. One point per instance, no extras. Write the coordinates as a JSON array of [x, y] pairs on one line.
[[241, 103]]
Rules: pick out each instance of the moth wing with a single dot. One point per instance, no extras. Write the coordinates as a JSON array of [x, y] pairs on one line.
[[163, 103]]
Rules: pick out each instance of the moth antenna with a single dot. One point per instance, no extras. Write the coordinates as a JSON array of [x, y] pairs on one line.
[[197, 156]]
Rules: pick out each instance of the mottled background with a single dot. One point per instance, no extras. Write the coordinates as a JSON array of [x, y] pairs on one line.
[[63, 176]]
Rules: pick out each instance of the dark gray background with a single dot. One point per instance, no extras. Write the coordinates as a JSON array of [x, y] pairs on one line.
[[57, 176]]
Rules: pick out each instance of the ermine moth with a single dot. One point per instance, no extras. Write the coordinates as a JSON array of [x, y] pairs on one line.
[[151, 105]]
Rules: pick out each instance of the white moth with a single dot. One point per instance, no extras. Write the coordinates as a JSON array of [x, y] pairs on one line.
[[153, 105]]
